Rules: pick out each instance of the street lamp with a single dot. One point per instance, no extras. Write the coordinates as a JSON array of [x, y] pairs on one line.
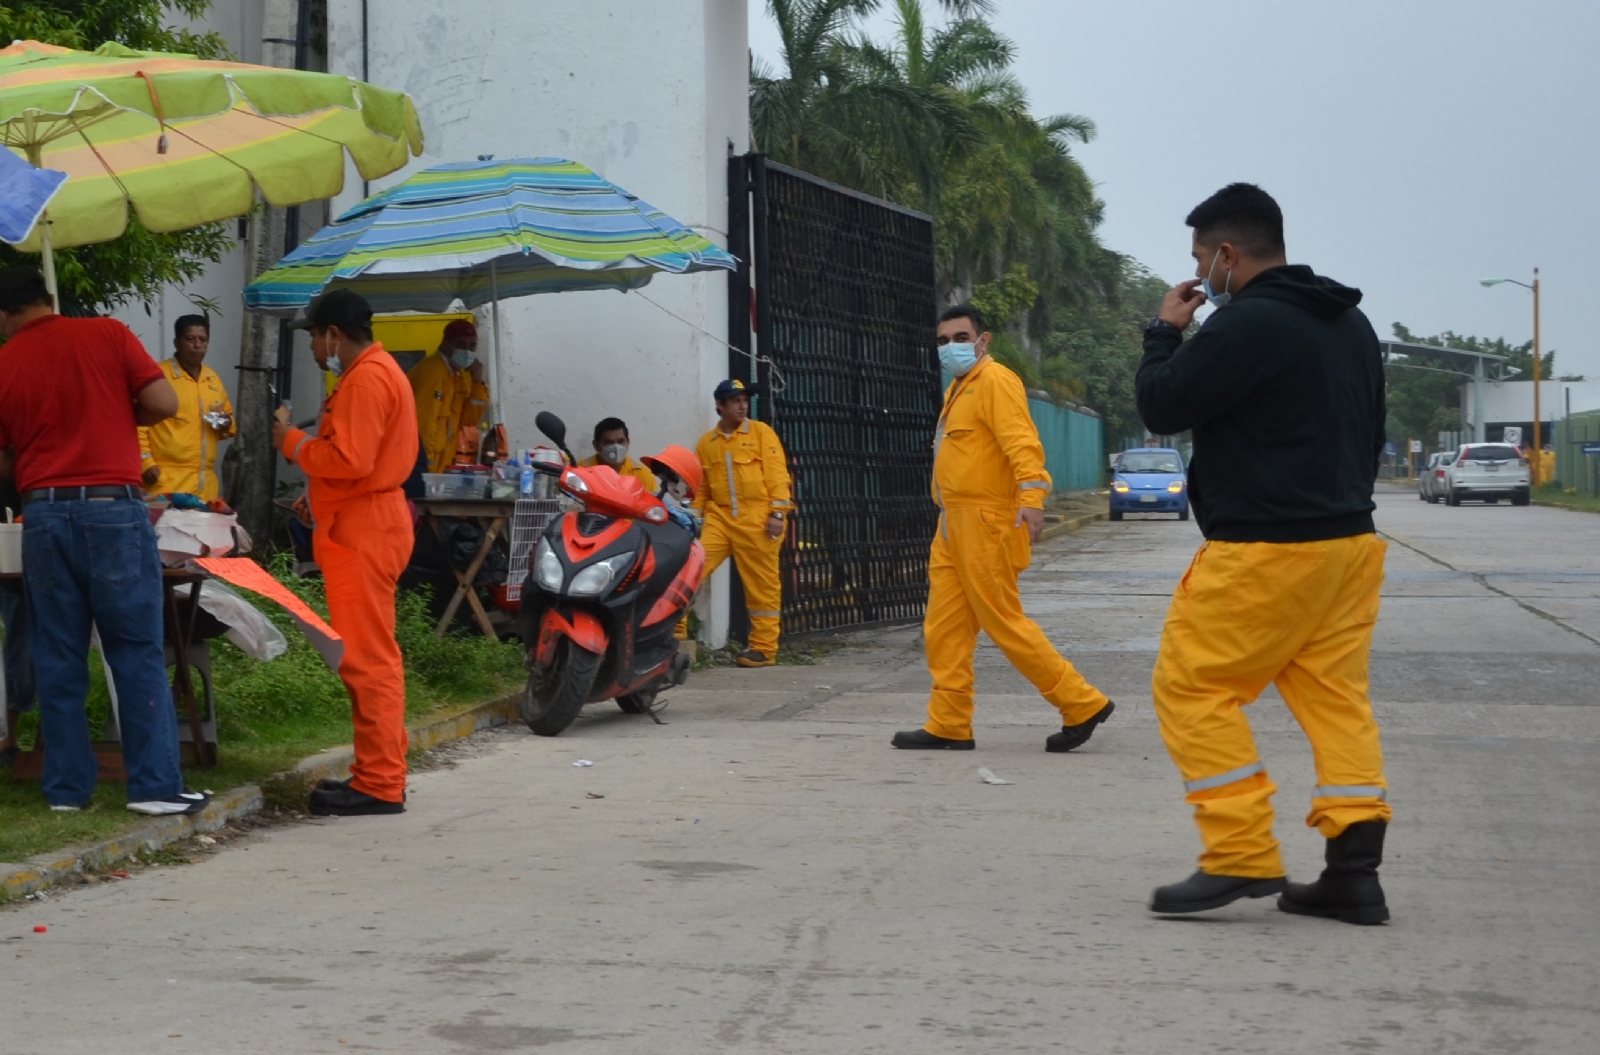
[[1538, 447]]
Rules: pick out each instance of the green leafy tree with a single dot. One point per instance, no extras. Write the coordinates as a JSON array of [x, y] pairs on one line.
[[100, 278]]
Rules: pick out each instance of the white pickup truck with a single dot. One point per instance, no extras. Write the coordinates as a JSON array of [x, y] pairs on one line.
[[1487, 472]]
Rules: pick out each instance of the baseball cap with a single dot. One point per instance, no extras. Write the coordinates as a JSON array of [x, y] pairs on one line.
[[340, 307], [735, 387], [460, 328]]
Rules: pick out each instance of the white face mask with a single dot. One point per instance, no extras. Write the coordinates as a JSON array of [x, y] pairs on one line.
[[614, 454], [334, 365]]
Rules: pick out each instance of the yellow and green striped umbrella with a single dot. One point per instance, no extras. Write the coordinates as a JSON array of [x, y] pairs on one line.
[[187, 141]]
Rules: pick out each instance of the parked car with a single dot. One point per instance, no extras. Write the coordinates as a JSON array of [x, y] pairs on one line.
[[1431, 484], [1487, 472], [1149, 480]]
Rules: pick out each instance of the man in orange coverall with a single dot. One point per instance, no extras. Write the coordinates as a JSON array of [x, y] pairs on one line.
[[365, 449], [990, 484]]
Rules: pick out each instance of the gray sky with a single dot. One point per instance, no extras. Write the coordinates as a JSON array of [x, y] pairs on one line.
[[1416, 146]]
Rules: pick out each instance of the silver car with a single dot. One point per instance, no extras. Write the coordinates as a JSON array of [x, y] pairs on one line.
[[1487, 472], [1431, 482]]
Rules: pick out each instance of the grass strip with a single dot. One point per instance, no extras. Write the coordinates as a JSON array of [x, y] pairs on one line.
[[269, 715]]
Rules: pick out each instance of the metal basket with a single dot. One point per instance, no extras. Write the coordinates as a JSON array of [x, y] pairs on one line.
[[528, 521]]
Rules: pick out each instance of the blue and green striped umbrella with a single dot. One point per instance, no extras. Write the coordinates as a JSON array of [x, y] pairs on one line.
[[481, 231]]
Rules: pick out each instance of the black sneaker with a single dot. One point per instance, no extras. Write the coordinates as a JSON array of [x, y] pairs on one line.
[[346, 801], [183, 802], [922, 740], [1203, 891], [1072, 736]]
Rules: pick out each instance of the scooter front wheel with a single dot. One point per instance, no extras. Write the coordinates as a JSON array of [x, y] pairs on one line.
[[554, 696]]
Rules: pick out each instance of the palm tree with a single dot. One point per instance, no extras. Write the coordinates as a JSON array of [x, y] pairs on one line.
[[831, 113]]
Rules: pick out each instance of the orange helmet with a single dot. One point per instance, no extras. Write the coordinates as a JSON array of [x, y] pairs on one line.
[[680, 462]]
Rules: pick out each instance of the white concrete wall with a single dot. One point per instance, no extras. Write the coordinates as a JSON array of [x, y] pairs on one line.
[[652, 95], [1512, 401]]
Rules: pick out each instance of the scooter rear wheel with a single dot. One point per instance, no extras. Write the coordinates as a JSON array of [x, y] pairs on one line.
[[553, 698]]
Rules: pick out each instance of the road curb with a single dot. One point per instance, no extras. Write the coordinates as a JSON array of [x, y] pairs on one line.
[[1067, 525], [59, 866]]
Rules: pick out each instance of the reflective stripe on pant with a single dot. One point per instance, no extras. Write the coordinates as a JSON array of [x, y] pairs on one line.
[[972, 576], [745, 540], [362, 552], [1246, 615]]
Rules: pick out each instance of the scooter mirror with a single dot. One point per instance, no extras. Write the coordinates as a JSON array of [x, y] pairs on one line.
[[552, 427]]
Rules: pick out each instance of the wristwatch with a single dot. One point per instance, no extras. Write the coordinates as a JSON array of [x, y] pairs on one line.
[[1159, 326]]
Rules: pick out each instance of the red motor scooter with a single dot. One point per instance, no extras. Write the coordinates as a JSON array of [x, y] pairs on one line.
[[605, 590]]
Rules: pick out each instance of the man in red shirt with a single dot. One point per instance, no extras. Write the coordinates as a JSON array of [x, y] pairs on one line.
[[72, 393], [365, 448]]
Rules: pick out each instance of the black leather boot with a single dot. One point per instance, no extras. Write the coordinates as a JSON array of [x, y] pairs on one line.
[[1348, 888], [922, 740], [1203, 891], [1073, 736]]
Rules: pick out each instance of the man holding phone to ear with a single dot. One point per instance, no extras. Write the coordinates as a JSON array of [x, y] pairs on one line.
[[1283, 389]]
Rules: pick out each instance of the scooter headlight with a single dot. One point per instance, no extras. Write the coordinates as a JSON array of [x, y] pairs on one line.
[[547, 567], [596, 578]]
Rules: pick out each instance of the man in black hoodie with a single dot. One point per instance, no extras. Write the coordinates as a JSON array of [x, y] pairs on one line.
[[1283, 390]]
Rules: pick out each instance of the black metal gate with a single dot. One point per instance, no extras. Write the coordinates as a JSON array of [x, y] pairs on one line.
[[835, 298]]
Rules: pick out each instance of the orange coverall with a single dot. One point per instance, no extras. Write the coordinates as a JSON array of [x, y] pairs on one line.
[[747, 480], [987, 464], [365, 449]]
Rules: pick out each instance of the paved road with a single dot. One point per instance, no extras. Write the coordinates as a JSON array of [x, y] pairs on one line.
[[764, 874]]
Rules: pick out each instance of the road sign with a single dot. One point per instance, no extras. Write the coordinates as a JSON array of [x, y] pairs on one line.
[[1591, 448], [1514, 435], [1389, 449], [1416, 446]]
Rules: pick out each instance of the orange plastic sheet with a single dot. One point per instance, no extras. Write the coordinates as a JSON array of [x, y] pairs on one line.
[[248, 575]]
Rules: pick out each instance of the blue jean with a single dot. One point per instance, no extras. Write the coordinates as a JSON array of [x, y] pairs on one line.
[[96, 560], [19, 661]]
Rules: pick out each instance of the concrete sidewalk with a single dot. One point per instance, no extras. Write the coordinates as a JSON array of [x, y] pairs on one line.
[[764, 874]]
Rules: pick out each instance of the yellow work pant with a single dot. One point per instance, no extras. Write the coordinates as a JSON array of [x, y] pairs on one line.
[[746, 541], [1247, 614], [972, 585]]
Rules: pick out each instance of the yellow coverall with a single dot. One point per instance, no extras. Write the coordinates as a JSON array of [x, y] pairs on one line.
[[1247, 614], [446, 400], [747, 480], [184, 447], [988, 463], [630, 468]]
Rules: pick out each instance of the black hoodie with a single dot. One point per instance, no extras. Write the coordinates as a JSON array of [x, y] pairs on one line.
[[1283, 389]]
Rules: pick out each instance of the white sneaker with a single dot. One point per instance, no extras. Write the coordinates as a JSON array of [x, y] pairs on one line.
[[182, 802]]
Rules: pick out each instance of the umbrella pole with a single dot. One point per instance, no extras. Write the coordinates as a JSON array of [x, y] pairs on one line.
[[48, 252], [499, 373]]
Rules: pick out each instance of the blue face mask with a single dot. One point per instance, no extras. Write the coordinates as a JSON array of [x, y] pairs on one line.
[[333, 365], [958, 358], [1217, 300], [463, 358]]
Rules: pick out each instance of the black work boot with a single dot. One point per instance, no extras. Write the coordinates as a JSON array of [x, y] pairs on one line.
[[1072, 736], [921, 739], [1203, 891], [1348, 888], [346, 801]]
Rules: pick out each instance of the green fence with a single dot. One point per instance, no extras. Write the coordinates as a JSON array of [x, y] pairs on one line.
[[1073, 452], [1573, 467]]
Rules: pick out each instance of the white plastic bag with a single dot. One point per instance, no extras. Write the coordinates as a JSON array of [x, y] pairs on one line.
[[247, 627]]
